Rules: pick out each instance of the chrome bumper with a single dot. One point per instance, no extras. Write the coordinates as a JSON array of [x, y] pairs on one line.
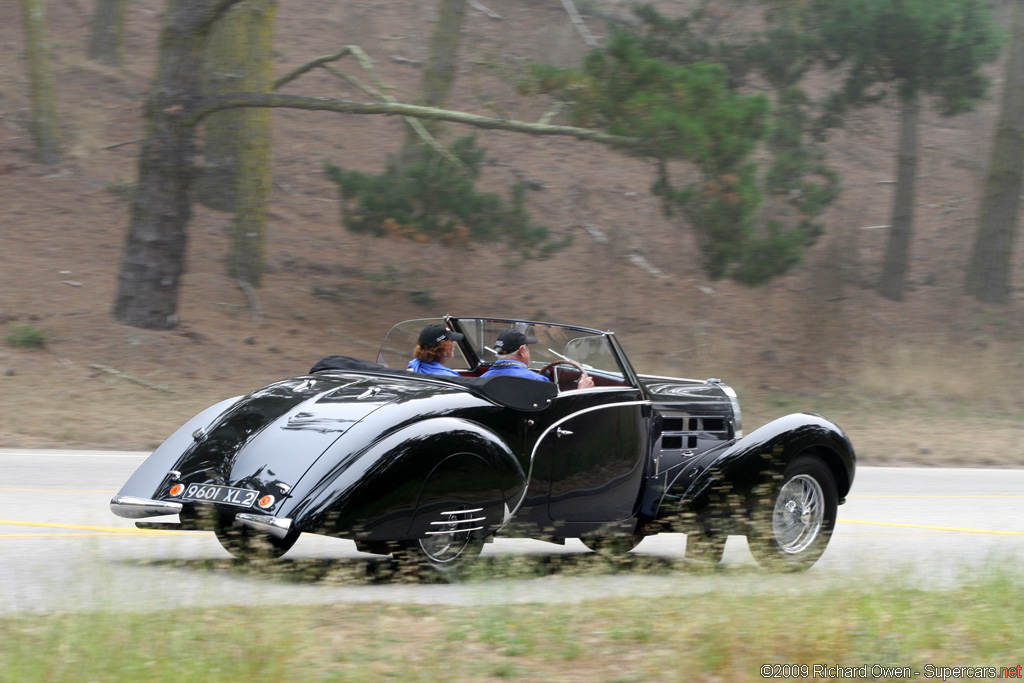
[[138, 508], [277, 527]]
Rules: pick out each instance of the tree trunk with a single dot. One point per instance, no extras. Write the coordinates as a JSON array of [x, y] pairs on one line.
[[106, 43], [45, 126], [988, 273], [226, 69], [897, 254], [154, 257], [439, 70], [252, 189]]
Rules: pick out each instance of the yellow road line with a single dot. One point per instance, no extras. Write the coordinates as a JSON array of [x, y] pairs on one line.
[[85, 527], [90, 535], [63, 490], [933, 528], [902, 496]]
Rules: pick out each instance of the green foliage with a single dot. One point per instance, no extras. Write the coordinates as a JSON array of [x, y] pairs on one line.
[[686, 111], [667, 81], [933, 47], [427, 200], [27, 337]]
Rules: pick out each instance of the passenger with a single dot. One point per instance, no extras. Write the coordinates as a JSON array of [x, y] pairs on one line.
[[513, 352], [436, 346]]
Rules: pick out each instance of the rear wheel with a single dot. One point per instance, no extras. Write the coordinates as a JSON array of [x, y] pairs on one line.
[[447, 551], [791, 531], [247, 543]]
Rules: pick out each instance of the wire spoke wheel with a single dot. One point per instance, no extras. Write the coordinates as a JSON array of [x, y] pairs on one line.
[[799, 512], [791, 531]]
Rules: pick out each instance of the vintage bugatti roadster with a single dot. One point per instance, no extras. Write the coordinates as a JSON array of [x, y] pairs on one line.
[[429, 467]]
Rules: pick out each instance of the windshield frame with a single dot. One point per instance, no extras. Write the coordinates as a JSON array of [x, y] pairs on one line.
[[478, 357]]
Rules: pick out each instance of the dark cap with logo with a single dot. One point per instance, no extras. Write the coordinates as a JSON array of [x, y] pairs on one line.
[[432, 335], [509, 341]]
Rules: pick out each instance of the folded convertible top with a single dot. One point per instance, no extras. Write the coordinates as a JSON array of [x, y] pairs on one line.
[[517, 393]]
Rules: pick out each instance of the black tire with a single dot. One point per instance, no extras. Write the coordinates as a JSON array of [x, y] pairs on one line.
[[790, 531], [247, 543], [447, 557], [612, 546], [704, 550]]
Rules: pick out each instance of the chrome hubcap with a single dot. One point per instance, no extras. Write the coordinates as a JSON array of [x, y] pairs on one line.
[[799, 513]]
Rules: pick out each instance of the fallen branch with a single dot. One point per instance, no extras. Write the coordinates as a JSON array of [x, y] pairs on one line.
[[577, 21], [122, 144], [480, 8], [132, 378], [254, 302], [310, 65], [275, 100], [413, 123]]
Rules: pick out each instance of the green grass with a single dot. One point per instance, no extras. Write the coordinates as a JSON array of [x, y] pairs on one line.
[[719, 635]]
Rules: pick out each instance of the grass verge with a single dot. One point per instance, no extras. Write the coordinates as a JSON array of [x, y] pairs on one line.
[[895, 630]]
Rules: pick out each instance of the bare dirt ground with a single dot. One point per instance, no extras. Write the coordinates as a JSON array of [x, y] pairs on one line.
[[935, 379]]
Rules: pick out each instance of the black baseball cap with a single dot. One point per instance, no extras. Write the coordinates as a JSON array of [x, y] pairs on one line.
[[509, 341], [432, 335]]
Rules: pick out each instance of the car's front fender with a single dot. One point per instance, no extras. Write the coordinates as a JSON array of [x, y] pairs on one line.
[[725, 480]]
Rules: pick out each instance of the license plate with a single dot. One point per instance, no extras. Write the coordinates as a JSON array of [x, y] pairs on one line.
[[220, 494]]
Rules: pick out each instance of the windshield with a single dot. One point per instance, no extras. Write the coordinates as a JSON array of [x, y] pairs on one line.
[[591, 349], [400, 344]]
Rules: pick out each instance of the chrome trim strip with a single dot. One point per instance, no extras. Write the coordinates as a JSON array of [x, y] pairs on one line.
[[453, 530], [277, 527], [462, 512], [458, 521], [132, 507]]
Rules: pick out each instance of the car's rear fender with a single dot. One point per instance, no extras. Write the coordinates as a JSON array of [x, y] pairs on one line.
[[398, 487], [153, 471], [725, 481]]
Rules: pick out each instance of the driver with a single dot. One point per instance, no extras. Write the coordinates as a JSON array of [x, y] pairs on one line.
[[435, 346], [513, 352]]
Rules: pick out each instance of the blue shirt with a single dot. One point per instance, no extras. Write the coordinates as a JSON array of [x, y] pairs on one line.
[[431, 368], [515, 369]]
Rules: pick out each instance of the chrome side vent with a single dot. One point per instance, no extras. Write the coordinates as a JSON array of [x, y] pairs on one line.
[[684, 436], [457, 521]]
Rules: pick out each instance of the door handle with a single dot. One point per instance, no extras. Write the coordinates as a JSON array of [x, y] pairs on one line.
[[562, 432]]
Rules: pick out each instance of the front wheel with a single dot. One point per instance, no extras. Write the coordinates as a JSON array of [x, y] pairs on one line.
[[247, 543], [791, 532]]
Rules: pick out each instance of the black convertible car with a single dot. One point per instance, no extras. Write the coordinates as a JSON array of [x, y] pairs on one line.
[[430, 467]]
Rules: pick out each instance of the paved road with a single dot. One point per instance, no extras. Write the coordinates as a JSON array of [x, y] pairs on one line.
[[61, 548]]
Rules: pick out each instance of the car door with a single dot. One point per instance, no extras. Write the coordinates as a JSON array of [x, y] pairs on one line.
[[592, 459]]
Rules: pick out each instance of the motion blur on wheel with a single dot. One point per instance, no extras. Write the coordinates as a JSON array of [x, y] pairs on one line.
[[431, 467]]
